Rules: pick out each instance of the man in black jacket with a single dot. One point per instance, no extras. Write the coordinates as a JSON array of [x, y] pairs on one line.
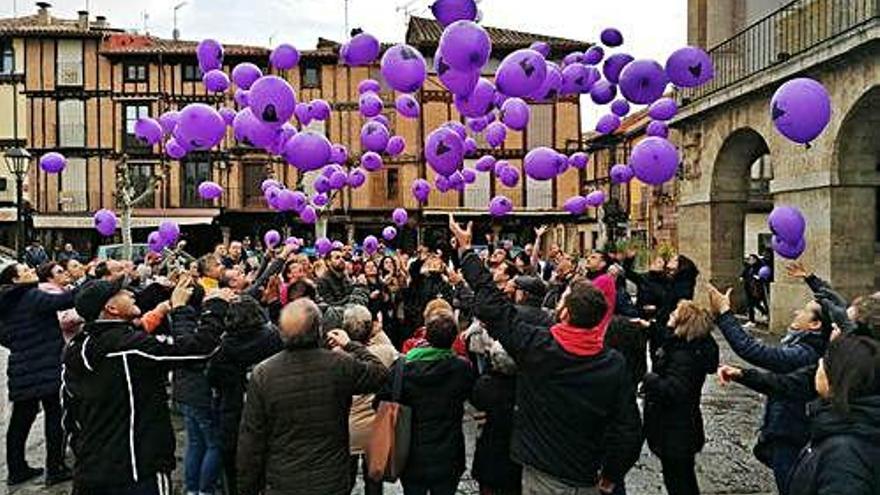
[[334, 287], [566, 440], [528, 296], [114, 388]]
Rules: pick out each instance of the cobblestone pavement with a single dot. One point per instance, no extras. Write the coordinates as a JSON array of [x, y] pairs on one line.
[[726, 465]]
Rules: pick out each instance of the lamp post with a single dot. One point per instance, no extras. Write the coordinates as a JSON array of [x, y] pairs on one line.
[[17, 161]]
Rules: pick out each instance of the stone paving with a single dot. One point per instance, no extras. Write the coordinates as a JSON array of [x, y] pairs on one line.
[[726, 465]]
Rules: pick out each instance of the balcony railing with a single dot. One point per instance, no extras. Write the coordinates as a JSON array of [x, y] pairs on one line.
[[793, 29]]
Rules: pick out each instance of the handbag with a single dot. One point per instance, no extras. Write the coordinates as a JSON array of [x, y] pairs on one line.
[[389, 442]]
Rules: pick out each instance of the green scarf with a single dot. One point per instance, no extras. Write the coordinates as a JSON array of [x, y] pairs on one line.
[[429, 354]]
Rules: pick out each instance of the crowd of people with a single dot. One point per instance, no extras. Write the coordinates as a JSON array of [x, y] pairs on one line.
[[277, 360]]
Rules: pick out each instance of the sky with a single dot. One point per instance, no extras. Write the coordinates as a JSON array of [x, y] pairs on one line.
[[651, 28]]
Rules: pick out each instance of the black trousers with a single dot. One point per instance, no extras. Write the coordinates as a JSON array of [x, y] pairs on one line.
[[447, 487], [679, 475], [24, 412]]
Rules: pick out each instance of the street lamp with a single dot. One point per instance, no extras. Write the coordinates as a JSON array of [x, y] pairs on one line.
[[17, 161]]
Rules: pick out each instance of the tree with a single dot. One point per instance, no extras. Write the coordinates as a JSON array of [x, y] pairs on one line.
[[128, 198]]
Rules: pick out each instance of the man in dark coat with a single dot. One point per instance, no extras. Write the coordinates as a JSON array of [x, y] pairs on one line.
[[294, 428], [30, 330], [565, 440], [530, 293], [334, 287]]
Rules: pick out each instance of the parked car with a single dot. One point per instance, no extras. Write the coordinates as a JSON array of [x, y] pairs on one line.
[[114, 251]]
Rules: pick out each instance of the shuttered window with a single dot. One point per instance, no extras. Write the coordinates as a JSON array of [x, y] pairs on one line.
[[476, 195], [539, 193], [71, 124], [70, 63], [73, 185]]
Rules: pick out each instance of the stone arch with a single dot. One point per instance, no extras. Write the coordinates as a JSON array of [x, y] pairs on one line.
[[855, 241]]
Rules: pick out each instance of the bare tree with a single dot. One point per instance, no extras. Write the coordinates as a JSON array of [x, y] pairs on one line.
[[128, 198]]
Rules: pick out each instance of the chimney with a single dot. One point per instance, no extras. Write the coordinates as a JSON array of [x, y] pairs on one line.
[[82, 21], [100, 21], [43, 12]]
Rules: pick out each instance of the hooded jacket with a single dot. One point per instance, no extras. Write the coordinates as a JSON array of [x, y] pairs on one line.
[[29, 329]]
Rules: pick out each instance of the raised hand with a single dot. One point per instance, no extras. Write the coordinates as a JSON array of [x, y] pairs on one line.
[[718, 303], [727, 374], [540, 231], [464, 236], [337, 338], [796, 269], [181, 294]]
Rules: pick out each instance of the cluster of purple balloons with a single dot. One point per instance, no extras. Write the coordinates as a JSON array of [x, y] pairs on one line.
[[166, 235], [788, 226]]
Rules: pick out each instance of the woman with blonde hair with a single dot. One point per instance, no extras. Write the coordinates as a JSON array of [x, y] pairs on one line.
[[673, 421]]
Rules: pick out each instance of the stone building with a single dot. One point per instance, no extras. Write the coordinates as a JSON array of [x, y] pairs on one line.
[[725, 128], [79, 85]]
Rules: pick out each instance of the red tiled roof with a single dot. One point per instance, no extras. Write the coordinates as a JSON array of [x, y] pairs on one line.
[[124, 43], [425, 33], [33, 25]]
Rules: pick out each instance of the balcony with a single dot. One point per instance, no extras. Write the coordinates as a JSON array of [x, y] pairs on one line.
[[794, 29]]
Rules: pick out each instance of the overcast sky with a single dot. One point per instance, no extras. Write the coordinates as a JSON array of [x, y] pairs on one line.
[[651, 28]]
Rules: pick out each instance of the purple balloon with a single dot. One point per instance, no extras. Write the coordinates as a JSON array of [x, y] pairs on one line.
[[356, 178], [441, 183], [338, 154], [174, 150], [303, 113], [444, 151], [476, 125], [403, 68], [663, 109], [216, 81], [210, 190], [105, 222], [607, 124], [396, 145], [370, 244], [320, 199], [245, 74], [369, 86], [620, 107], [169, 232], [330, 169], [271, 238], [579, 160], [457, 127], [499, 167], [596, 198], [399, 216], [298, 201], [470, 147], [200, 127], [654, 160], [456, 181], [496, 133], [293, 241], [603, 92], [485, 164], [465, 46], [801, 109], [469, 175], [544, 163], [509, 176], [407, 106], [541, 47], [788, 250], [338, 245], [643, 81], [321, 184], [448, 11], [576, 205], [249, 129], [551, 87], [575, 79], [478, 103], [621, 173], [338, 180], [362, 49], [273, 197], [611, 37], [614, 64], [515, 114], [381, 119], [308, 215], [374, 137], [458, 82], [370, 104], [421, 189], [210, 55], [272, 100], [323, 246], [766, 273], [594, 55], [284, 57], [787, 223], [319, 110], [689, 67], [573, 58], [148, 130], [389, 233], [500, 206], [155, 243], [241, 97], [168, 121], [307, 151], [657, 129], [521, 73], [371, 161], [228, 115]]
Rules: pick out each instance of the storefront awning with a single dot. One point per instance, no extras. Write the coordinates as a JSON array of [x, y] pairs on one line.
[[8, 214], [204, 217]]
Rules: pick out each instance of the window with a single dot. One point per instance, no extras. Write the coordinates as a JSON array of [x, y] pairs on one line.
[[192, 73], [311, 76], [73, 185], [539, 193], [392, 184], [7, 56], [71, 124], [4, 184], [253, 178], [477, 194], [141, 177], [131, 113], [135, 72], [194, 173], [70, 63]]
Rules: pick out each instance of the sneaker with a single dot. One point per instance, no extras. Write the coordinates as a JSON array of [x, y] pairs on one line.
[[27, 475], [59, 476]]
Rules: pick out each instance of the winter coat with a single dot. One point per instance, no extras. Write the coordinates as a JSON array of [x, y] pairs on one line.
[[115, 400], [555, 289], [29, 329], [294, 429], [630, 340], [495, 394], [654, 289], [190, 381], [334, 289], [558, 429], [784, 419], [435, 390], [673, 421], [535, 315], [425, 287], [843, 456]]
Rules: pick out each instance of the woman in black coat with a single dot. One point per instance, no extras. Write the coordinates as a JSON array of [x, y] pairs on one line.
[[436, 383], [843, 456], [673, 421], [655, 298]]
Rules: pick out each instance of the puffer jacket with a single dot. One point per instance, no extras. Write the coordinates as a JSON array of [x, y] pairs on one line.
[[843, 456], [29, 328], [673, 421], [294, 435]]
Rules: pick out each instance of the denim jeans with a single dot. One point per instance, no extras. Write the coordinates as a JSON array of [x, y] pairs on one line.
[[202, 461], [782, 461]]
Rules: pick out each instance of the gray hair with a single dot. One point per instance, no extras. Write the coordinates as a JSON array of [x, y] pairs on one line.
[[357, 322], [308, 331]]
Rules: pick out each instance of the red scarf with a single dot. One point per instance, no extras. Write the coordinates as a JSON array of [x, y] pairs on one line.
[[588, 341]]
